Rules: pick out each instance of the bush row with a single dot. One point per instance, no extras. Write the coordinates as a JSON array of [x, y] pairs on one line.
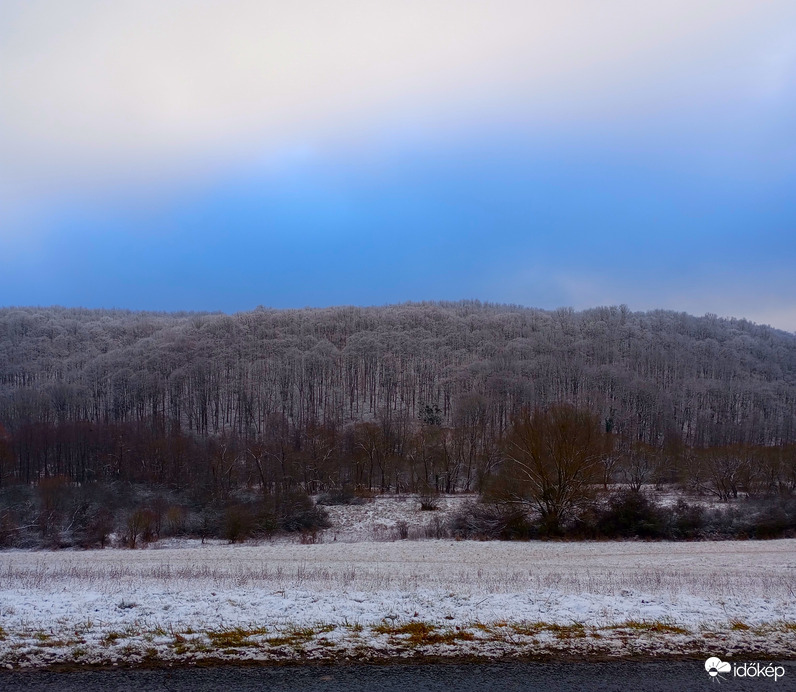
[[57, 514], [631, 514]]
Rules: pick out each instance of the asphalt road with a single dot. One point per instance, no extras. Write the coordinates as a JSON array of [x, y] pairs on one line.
[[680, 676]]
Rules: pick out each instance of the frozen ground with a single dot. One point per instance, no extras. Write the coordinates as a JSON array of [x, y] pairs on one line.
[[372, 599], [379, 519]]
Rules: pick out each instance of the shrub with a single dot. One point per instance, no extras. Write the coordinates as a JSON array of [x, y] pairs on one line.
[[297, 513], [774, 520], [727, 522], [492, 521], [208, 523], [176, 521], [9, 529], [437, 528], [631, 514], [53, 498], [140, 524], [688, 521], [99, 526], [267, 522], [341, 496], [18, 509], [92, 525], [402, 529], [238, 523], [429, 500]]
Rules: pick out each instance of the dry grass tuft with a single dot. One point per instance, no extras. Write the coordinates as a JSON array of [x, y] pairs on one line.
[[574, 631], [234, 638], [656, 626], [528, 629], [297, 636], [111, 638], [417, 632]]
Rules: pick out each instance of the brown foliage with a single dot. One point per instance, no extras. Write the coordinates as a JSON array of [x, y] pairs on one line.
[[552, 460]]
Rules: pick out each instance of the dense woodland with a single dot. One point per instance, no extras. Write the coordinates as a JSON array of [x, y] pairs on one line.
[[404, 398]]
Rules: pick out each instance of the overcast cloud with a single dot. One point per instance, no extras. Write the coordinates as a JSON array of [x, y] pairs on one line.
[[159, 106]]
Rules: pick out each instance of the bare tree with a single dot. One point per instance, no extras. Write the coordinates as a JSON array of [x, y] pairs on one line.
[[553, 458], [639, 465], [724, 471]]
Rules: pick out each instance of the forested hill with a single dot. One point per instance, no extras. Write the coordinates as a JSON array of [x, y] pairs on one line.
[[652, 376]]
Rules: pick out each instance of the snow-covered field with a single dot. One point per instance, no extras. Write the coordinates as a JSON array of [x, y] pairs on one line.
[[366, 599]]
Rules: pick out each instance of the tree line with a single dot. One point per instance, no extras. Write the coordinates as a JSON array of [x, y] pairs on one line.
[[405, 398]]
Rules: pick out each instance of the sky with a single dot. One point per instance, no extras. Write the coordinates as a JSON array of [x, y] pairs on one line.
[[220, 155]]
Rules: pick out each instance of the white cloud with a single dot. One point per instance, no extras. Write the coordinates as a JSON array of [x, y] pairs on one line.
[[148, 90]]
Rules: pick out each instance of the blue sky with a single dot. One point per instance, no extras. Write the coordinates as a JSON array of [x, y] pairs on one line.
[[218, 156]]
